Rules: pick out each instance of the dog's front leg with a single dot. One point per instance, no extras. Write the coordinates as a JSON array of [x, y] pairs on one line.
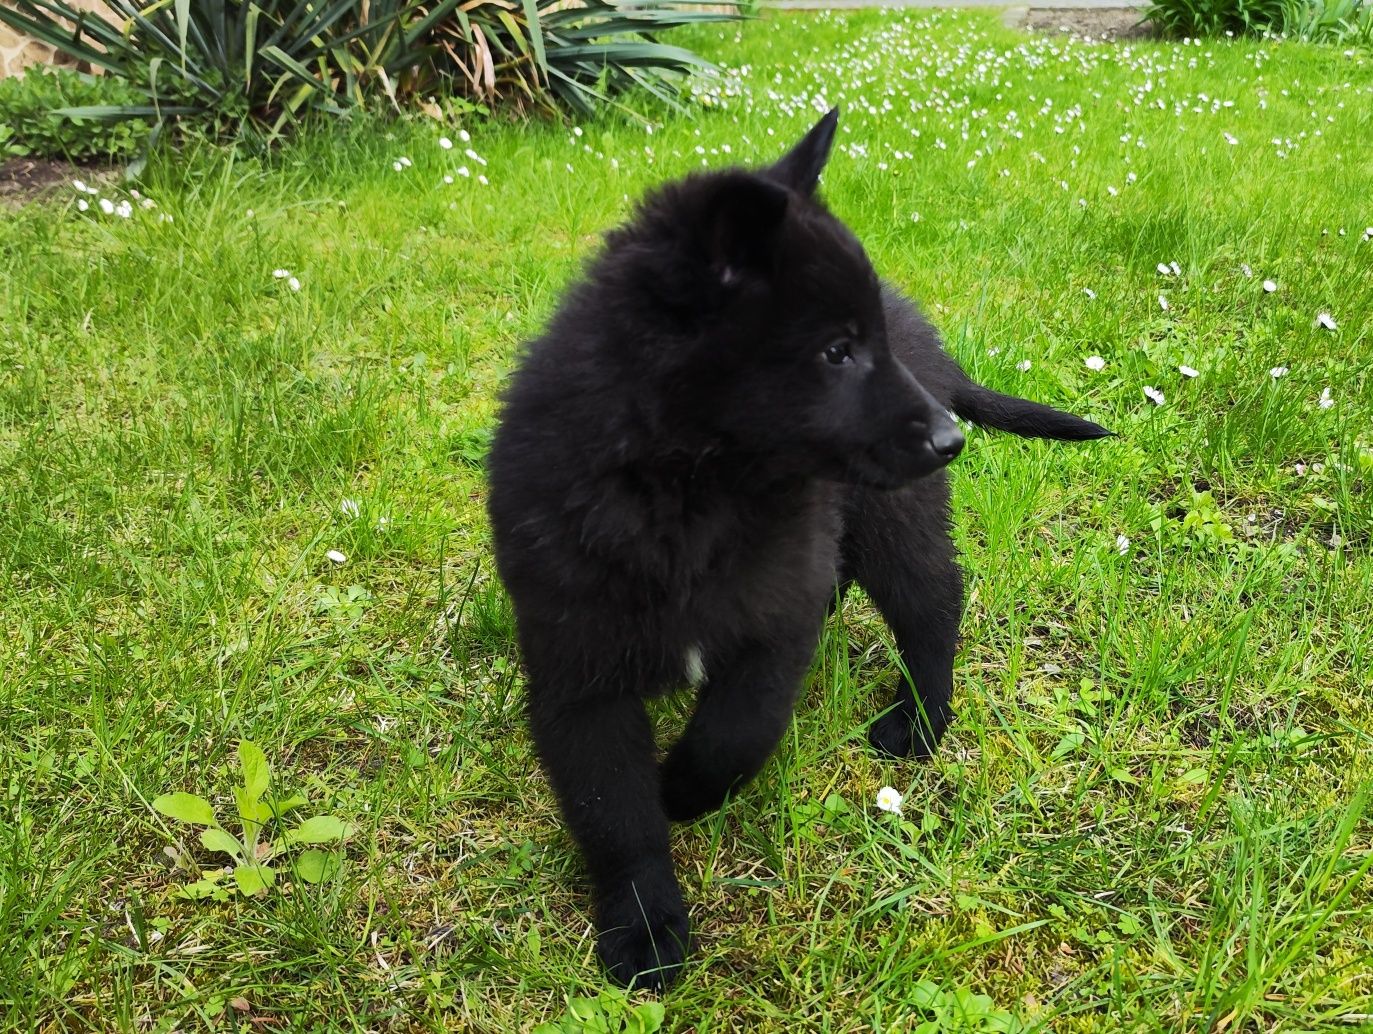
[[600, 757], [741, 713]]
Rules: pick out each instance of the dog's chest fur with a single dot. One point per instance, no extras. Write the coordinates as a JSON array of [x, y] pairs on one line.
[[709, 543], [726, 566]]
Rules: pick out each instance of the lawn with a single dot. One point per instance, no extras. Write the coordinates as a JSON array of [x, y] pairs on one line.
[[1152, 812]]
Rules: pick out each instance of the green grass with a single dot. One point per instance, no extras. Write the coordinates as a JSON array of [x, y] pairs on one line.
[[1152, 812]]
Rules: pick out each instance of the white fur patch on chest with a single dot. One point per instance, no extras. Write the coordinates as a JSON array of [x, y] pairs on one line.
[[695, 665]]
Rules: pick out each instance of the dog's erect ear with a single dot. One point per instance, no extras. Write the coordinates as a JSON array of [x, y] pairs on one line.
[[741, 225], [800, 167]]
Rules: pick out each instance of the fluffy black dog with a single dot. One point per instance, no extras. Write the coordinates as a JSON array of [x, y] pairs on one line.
[[728, 418]]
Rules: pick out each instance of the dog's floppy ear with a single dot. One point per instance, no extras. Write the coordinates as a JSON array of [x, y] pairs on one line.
[[800, 167], [741, 223]]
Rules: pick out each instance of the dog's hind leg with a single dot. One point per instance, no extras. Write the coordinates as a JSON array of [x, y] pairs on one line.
[[599, 755], [898, 548], [740, 715]]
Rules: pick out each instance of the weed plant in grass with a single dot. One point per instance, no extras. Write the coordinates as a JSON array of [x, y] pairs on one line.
[[241, 506]]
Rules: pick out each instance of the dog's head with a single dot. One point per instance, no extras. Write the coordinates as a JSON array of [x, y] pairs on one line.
[[788, 351]]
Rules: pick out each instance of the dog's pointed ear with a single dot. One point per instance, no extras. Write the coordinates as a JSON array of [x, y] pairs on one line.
[[741, 224], [800, 167]]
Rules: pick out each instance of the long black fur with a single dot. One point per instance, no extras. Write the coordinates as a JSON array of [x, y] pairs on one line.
[[728, 417]]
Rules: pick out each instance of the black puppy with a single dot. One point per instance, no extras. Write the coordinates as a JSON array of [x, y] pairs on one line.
[[728, 418]]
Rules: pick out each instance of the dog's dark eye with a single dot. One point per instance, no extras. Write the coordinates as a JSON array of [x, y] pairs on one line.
[[838, 353]]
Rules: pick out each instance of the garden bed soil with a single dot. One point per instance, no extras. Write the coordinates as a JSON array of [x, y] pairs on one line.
[[1104, 23], [23, 179]]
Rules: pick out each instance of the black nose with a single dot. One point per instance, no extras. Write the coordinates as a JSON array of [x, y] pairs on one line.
[[946, 439]]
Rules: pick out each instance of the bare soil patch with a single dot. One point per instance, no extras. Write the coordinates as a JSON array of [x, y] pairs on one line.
[[1105, 23], [27, 179]]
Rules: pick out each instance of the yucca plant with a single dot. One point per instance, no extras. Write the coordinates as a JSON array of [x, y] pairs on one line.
[[577, 52], [1316, 21], [1214, 17], [232, 62], [1333, 21]]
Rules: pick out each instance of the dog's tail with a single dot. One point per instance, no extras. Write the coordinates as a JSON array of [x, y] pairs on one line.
[[988, 408]]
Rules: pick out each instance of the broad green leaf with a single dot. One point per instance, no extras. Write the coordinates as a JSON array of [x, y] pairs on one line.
[[216, 839], [584, 1009], [202, 889], [256, 774], [186, 807], [651, 1015], [1069, 743], [254, 879], [321, 829], [925, 994], [251, 810], [314, 866], [280, 808]]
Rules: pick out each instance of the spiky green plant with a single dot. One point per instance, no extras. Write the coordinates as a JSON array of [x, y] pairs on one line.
[[264, 63], [579, 55]]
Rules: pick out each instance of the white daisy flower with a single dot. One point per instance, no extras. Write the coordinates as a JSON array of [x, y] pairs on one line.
[[1089, 293], [82, 204], [464, 136], [349, 508], [1122, 545], [445, 143], [107, 206], [1325, 401], [293, 284], [1326, 320], [1023, 365], [889, 800], [1153, 394], [1269, 286], [1163, 303], [281, 274], [1278, 371], [1094, 362], [1188, 371], [336, 556]]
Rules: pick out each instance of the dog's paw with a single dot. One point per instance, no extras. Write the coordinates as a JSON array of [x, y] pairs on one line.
[[687, 792], [685, 801], [643, 942], [897, 735]]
